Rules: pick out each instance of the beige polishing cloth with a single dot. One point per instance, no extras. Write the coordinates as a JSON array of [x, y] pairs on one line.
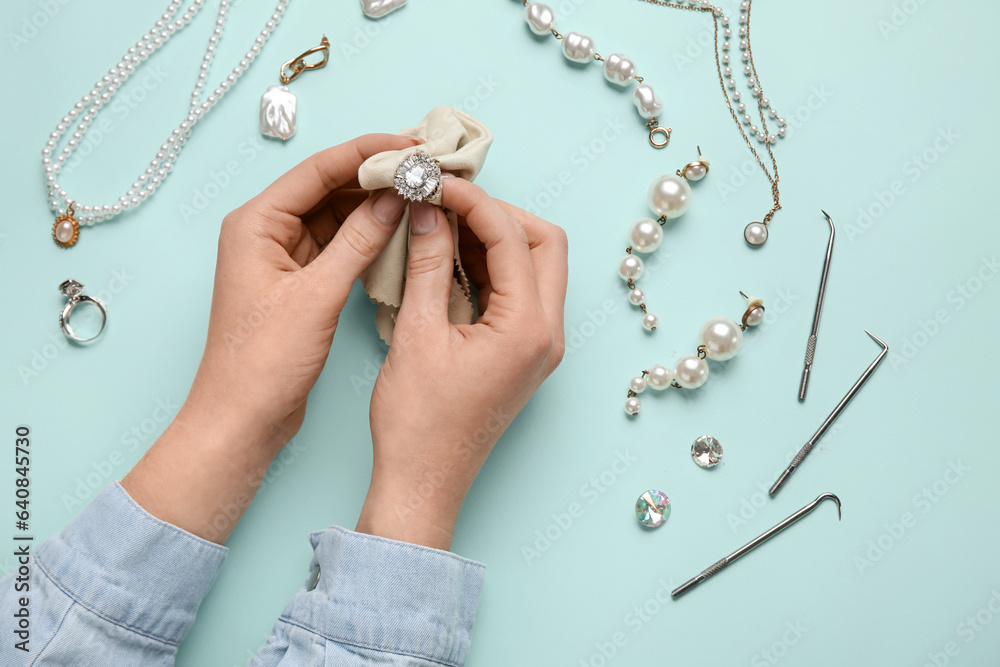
[[459, 142]]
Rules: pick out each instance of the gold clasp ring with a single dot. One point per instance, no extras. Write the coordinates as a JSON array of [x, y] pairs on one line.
[[659, 130], [298, 64]]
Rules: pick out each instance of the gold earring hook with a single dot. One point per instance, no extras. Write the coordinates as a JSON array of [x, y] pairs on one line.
[[298, 64]]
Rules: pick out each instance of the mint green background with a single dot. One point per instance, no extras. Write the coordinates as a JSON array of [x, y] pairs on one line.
[[861, 104]]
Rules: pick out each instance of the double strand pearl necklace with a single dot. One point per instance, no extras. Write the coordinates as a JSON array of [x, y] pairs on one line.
[[621, 70], [66, 229]]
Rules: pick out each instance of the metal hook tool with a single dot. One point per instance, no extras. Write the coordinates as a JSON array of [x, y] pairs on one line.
[[806, 448], [811, 346], [746, 548]]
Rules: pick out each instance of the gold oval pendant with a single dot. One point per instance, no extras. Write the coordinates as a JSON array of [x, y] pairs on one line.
[[65, 230]]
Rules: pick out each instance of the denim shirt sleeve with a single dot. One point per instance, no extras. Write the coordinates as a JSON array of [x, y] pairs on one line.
[[116, 587], [370, 600], [121, 587]]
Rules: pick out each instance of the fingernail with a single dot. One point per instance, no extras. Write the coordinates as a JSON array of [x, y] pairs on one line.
[[448, 174], [387, 207], [419, 140], [423, 219]]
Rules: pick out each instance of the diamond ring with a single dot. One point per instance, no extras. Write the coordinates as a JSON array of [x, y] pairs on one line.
[[418, 177], [73, 291]]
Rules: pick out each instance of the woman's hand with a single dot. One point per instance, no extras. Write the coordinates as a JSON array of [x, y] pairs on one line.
[[287, 261], [447, 392]]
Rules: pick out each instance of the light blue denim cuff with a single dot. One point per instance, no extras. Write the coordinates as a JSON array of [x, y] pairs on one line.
[[389, 596], [132, 569]]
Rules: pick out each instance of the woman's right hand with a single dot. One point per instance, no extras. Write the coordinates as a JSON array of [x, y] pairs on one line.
[[447, 392]]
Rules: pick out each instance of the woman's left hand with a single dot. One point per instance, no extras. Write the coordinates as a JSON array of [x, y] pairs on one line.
[[287, 261]]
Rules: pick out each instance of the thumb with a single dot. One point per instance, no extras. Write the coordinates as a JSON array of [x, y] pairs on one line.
[[361, 238], [430, 266]]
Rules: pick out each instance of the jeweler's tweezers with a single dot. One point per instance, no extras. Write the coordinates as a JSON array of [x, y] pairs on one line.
[[742, 551], [811, 346], [806, 448]]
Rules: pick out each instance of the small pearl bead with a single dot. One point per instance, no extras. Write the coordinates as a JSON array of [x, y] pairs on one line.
[[636, 297], [645, 235], [659, 377], [741, 107], [630, 267], [633, 405], [781, 131], [755, 316], [637, 384], [691, 372], [650, 322]]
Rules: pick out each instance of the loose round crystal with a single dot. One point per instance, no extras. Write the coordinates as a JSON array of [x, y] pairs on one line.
[[706, 451], [652, 508]]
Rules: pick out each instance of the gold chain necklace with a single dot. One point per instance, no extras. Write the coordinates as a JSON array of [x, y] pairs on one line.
[[756, 232]]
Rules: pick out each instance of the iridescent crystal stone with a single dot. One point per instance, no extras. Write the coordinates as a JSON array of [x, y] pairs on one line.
[[652, 508], [706, 451], [70, 288]]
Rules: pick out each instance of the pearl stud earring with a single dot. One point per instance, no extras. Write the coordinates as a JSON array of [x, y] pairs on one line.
[[669, 197], [719, 339]]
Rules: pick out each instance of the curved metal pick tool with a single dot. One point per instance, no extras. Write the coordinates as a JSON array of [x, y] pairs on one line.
[[806, 448], [746, 548], [811, 345]]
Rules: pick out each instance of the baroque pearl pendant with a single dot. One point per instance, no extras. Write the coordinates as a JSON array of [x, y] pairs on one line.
[[278, 112]]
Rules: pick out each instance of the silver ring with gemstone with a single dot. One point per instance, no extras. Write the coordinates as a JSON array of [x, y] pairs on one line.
[[418, 177], [73, 291]]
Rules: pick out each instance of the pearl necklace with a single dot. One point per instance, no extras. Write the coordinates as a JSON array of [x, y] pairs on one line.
[[621, 70], [66, 229]]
